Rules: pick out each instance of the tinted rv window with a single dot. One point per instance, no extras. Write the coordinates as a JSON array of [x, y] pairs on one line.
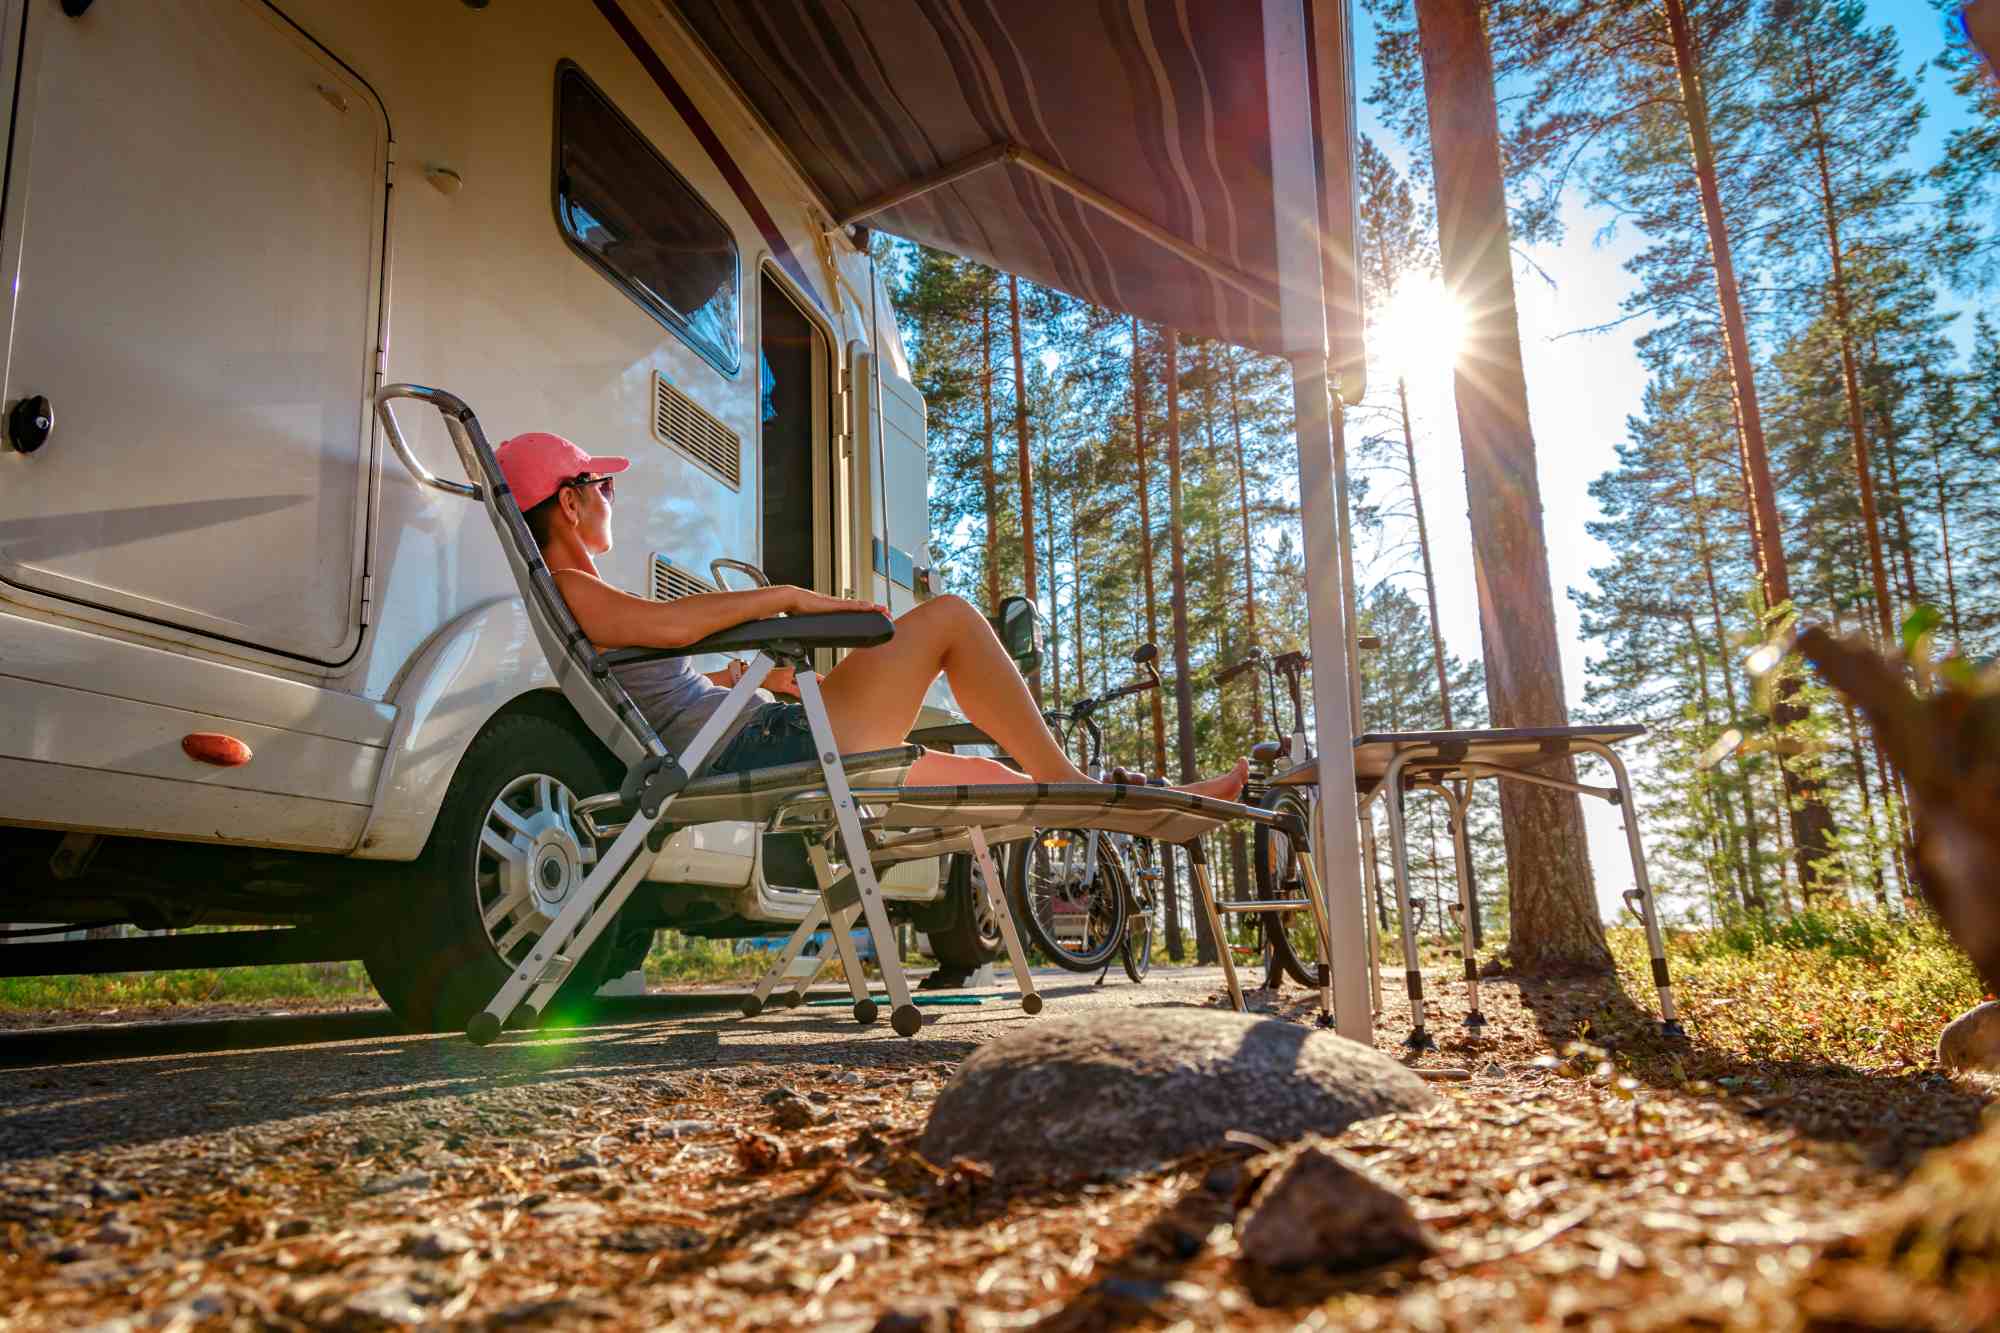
[[630, 214]]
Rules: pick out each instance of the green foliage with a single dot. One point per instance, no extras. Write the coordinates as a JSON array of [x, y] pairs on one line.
[[97, 992], [1827, 987]]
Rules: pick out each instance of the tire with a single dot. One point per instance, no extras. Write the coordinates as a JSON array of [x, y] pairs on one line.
[[972, 940], [1291, 937], [1136, 952], [1039, 898], [438, 964]]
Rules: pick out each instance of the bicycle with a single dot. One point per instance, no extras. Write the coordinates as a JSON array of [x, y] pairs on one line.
[[1283, 777], [1085, 895]]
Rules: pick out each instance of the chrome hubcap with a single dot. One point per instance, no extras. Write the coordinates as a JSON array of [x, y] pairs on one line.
[[531, 861]]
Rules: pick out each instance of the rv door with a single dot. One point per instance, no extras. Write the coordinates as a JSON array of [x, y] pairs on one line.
[[192, 257], [891, 480]]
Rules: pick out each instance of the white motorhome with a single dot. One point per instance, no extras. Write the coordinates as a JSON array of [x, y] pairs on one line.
[[251, 669]]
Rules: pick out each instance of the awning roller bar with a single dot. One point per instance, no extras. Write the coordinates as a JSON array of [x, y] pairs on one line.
[[1012, 154]]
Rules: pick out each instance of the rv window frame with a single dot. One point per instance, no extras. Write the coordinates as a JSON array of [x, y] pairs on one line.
[[663, 314]]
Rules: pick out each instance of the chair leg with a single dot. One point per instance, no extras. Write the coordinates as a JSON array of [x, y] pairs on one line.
[[754, 1003], [617, 873], [1317, 897], [996, 898], [1198, 862], [903, 1015], [1399, 860], [545, 968]]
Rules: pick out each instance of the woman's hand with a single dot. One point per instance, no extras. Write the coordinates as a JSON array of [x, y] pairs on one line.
[[806, 602]]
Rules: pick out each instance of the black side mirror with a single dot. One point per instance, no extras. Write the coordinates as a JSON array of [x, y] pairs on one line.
[[1147, 653], [1020, 630]]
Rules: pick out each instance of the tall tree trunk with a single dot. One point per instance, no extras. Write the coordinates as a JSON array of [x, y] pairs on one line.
[[1944, 535], [1027, 468], [1753, 891], [992, 480], [1055, 604], [1424, 551], [1177, 572], [1249, 563], [1080, 671], [1806, 808], [1850, 374], [1551, 892], [1158, 706]]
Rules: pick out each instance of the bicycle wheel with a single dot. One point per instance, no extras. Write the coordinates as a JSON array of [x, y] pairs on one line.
[[1293, 937], [1078, 924], [1137, 950]]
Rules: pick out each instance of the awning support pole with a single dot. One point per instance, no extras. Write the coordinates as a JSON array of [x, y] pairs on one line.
[[1302, 316], [1084, 192]]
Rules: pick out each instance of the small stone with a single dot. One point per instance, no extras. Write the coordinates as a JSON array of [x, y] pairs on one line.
[[850, 1079], [113, 1233], [440, 1243], [413, 1180], [583, 1159], [112, 1192], [778, 1095], [1317, 1209], [1972, 1040], [286, 1228], [796, 1114], [581, 1182], [684, 1129]]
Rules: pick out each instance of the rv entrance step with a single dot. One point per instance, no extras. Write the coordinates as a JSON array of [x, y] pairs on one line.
[[220, 948]]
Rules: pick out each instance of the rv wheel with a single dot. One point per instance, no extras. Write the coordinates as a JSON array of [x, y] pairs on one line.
[[972, 939], [504, 857]]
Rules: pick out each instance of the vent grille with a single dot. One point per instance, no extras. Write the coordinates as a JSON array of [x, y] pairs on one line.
[[681, 423], [670, 581]]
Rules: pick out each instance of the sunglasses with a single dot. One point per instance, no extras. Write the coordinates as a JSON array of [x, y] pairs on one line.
[[605, 485]]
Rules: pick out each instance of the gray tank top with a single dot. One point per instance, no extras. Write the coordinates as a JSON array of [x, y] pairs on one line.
[[677, 699]]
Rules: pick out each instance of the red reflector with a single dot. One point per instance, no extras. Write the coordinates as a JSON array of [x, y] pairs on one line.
[[212, 747]]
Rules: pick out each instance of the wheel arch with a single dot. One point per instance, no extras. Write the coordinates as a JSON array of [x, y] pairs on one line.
[[479, 668]]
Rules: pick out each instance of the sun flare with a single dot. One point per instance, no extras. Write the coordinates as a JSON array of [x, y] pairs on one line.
[[1420, 331]]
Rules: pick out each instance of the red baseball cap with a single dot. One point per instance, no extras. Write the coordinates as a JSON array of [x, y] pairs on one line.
[[536, 463]]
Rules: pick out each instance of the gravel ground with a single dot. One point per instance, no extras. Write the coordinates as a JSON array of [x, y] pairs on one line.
[[708, 1171]]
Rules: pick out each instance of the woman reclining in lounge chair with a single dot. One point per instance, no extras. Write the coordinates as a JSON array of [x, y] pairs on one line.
[[872, 697]]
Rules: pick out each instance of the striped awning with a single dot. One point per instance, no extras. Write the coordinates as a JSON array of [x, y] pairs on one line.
[[1117, 150]]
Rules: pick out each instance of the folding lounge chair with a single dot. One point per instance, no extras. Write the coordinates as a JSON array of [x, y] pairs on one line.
[[878, 821]]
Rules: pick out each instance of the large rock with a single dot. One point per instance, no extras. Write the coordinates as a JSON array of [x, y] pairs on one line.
[[1129, 1089], [1972, 1040]]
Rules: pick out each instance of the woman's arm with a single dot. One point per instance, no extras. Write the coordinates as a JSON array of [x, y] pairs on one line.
[[613, 619]]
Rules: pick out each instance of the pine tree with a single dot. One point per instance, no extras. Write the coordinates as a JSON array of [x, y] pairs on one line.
[[1555, 921]]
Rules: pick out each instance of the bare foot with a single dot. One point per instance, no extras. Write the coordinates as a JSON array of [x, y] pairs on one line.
[[1224, 788]]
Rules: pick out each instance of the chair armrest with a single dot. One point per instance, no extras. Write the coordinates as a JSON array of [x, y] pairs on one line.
[[831, 629]]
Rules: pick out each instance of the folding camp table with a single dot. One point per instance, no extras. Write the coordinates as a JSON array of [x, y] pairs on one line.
[[1398, 762]]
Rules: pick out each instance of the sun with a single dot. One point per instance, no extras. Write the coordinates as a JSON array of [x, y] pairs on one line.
[[1418, 335]]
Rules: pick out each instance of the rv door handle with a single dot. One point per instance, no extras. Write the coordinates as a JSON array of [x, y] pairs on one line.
[[30, 423]]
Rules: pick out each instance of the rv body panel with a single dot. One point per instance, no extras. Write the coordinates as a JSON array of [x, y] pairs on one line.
[[360, 662], [203, 171]]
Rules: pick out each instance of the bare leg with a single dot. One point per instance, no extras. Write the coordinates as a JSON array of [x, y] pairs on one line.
[[873, 696]]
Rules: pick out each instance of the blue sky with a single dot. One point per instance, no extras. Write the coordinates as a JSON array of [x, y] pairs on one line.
[[1581, 389]]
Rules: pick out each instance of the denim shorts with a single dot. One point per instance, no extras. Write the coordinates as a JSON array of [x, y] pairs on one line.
[[776, 734]]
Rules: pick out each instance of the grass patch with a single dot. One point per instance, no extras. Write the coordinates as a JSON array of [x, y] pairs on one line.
[[192, 986], [1834, 986]]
